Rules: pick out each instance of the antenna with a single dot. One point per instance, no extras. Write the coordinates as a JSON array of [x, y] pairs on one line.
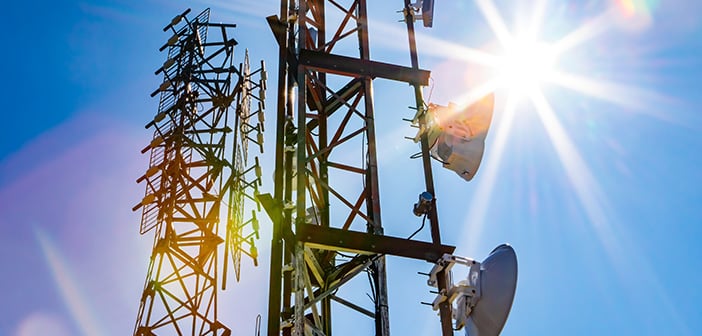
[[497, 283], [426, 7], [483, 300], [190, 176], [323, 234], [457, 136], [428, 13]]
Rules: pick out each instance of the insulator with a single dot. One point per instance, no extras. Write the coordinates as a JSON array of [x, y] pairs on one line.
[[258, 168], [259, 138], [261, 116], [160, 116], [262, 93], [176, 20], [164, 86], [168, 63], [152, 171], [264, 73], [156, 142], [150, 198], [253, 250], [172, 41]]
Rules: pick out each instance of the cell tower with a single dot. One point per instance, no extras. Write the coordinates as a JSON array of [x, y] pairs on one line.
[[325, 206], [325, 232], [192, 173]]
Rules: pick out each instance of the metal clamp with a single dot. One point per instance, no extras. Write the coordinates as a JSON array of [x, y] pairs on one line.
[[465, 293]]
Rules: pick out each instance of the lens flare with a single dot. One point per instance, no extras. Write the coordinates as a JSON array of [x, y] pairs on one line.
[[70, 292], [636, 14], [40, 324], [633, 8]]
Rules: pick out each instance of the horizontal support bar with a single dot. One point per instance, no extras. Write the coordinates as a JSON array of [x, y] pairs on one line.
[[225, 25], [360, 242], [354, 67]]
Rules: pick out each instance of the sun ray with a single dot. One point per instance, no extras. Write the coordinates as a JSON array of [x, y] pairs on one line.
[[477, 210], [537, 18], [638, 99], [66, 284], [431, 45], [437, 47], [477, 93], [588, 31], [620, 251], [494, 20], [584, 184], [600, 89]]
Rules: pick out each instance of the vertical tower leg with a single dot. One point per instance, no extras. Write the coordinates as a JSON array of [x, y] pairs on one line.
[[444, 307]]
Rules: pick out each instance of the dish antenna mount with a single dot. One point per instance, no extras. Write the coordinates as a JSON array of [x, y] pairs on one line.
[[481, 303]]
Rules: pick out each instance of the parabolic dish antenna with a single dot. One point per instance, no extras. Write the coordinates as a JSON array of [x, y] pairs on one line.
[[456, 134], [498, 283]]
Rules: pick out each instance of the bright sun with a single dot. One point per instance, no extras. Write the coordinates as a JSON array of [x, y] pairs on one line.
[[525, 64]]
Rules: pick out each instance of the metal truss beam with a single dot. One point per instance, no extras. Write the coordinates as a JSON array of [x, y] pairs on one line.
[[354, 67], [326, 238]]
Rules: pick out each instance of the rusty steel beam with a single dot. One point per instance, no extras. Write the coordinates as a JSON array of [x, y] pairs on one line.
[[326, 238], [355, 67]]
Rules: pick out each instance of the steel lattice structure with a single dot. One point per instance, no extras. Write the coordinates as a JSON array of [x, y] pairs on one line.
[[325, 111], [325, 207], [191, 174]]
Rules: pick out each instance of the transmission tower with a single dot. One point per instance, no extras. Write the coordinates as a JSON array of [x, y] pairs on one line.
[[325, 207], [199, 172], [325, 232]]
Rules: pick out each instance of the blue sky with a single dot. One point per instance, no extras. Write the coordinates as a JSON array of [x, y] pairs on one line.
[[594, 179]]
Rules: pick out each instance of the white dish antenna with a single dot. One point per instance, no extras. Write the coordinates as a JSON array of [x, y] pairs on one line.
[[483, 300], [498, 284], [457, 136]]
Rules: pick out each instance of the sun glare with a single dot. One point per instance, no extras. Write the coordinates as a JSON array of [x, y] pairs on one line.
[[521, 66], [525, 64]]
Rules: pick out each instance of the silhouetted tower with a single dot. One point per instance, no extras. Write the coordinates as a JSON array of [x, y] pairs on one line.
[[198, 159], [326, 206]]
